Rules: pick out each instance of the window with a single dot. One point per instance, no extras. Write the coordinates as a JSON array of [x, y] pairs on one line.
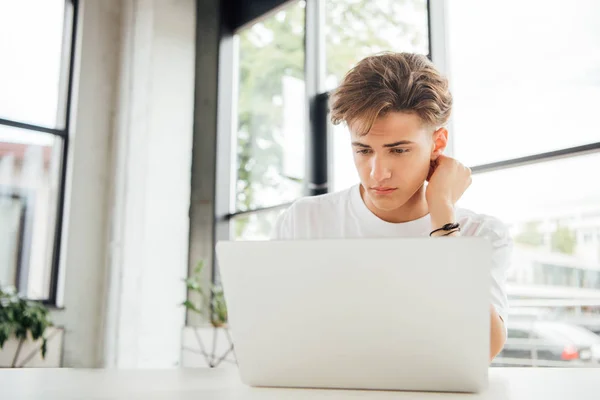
[[272, 118], [552, 265], [514, 89], [31, 41], [255, 226], [526, 199], [29, 176], [271, 111], [35, 42], [355, 29], [524, 77], [537, 193]]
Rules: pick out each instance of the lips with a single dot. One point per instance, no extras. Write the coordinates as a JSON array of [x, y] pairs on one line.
[[382, 190]]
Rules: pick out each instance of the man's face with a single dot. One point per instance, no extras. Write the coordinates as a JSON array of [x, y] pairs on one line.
[[393, 159]]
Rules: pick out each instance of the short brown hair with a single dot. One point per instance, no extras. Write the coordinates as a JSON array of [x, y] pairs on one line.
[[388, 82]]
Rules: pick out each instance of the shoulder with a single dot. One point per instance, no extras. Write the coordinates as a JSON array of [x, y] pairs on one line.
[[308, 213]]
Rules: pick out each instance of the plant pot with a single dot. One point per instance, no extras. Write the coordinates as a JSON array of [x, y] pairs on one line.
[[208, 346]]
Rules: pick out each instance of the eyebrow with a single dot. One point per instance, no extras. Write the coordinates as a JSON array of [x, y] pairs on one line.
[[400, 143]]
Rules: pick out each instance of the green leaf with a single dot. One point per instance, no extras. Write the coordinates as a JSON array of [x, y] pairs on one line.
[[3, 337], [44, 347], [21, 318], [191, 306], [198, 268], [193, 285]]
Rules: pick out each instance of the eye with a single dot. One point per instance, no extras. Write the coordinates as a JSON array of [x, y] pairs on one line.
[[400, 151], [363, 151]]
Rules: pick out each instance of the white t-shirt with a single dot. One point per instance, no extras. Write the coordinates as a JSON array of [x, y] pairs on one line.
[[345, 215]]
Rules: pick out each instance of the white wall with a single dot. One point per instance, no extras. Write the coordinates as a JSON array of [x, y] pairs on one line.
[[125, 248]]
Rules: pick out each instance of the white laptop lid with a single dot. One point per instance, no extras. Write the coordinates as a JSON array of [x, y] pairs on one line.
[[397, 314]]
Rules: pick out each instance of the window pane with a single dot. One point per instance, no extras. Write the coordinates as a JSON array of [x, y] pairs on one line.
[[355, 29], [255, 226], [29, 184], [528, 87], [553, 212], [271, 110], [31, 37], [343, 173]]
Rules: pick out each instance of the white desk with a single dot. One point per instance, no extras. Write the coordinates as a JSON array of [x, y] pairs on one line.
[[218, 384]]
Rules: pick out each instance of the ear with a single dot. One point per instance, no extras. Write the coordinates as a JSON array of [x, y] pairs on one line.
[[440, 141]]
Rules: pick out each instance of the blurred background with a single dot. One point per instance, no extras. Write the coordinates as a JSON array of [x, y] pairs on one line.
[[134, 134]]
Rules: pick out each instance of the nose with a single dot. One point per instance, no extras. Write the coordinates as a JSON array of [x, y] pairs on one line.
[[379, 170]]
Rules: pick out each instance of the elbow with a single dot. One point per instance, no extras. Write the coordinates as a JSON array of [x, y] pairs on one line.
[[497, 334], [497, 344], [497, 338]]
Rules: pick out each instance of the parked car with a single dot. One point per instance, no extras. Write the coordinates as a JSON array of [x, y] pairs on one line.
[[589, 322], [548, 343]]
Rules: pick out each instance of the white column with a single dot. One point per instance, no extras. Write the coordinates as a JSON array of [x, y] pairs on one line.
[[83, 254], [125, 247], [150, 199]]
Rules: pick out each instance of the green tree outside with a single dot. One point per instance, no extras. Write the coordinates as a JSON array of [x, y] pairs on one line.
[[563, 240], [530, 235]]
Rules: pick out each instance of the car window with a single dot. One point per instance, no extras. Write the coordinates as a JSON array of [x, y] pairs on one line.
[[549, 335], [575, 334], [517, 334]]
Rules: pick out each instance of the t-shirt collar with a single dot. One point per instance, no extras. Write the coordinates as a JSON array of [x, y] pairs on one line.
[[418, 227]]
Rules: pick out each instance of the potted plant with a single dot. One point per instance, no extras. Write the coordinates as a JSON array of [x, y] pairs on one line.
[[217, 313], [218, 308], [22, 320]]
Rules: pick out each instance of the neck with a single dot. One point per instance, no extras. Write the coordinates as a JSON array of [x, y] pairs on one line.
[[415, 208]]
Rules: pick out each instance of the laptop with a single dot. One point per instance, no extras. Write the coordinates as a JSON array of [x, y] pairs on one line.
[[384, 314]]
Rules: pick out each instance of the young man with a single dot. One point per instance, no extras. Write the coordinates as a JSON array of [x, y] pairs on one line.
[[396, 106]]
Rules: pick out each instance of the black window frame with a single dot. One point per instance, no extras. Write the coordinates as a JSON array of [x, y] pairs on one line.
[[71, 11], [317, 178]]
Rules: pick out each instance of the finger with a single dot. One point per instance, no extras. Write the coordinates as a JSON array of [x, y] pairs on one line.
[[432, 166]]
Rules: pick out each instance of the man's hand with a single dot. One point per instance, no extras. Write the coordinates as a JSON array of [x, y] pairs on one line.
[[448, 180]]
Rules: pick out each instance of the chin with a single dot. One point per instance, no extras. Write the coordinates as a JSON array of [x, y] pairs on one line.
[[388, 204]]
